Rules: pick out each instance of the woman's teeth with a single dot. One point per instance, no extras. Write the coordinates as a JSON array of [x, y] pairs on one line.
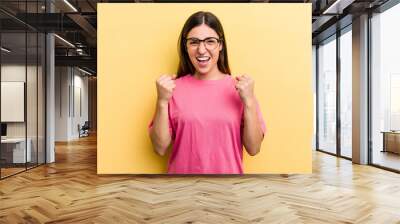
[[203, 59]]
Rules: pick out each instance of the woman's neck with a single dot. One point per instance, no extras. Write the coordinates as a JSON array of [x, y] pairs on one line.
[[212, 75]]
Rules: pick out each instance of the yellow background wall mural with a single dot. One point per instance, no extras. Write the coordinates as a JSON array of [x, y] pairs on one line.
[[138, 42]]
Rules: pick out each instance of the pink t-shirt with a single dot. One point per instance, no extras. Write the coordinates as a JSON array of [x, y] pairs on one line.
[[206, 125]]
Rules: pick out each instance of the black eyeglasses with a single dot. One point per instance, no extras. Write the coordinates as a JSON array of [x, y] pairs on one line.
[[211, 43]]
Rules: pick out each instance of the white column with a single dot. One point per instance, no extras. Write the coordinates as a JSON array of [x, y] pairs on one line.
[[50, 110], [360, 90], [50, 93]]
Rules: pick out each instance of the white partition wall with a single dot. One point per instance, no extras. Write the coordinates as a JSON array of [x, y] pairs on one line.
[[385, 87], [22, 89]]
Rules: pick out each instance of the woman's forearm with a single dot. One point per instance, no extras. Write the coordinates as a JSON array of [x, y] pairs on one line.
[[159, 133], [252, 132]]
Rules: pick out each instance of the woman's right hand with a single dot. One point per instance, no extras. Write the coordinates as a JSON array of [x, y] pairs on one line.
[[165, 86]]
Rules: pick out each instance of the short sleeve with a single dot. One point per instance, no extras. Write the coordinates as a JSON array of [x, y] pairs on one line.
[[170, 126]]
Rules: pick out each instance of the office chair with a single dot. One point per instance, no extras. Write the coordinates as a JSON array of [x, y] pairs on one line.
[[84, 130]]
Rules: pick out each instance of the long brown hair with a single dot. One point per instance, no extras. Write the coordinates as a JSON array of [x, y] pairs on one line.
[[185, 65]]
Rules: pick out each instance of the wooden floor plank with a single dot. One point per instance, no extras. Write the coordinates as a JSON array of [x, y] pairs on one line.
[[70, 191]]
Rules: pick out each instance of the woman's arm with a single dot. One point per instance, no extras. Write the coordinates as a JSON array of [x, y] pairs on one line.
[[159, 132], [252, 131]]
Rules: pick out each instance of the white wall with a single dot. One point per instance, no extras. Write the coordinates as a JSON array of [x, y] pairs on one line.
[[71, 93], [62, 81], [9, 73], [15, 72], [80, 84], [33, 127]]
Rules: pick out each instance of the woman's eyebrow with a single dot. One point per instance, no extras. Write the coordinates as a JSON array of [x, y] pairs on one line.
[[200, 39]]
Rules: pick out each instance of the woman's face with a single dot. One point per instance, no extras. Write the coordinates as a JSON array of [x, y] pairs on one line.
[[203, 54]]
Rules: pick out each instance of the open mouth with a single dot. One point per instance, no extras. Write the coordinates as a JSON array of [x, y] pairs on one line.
[[203, 59]]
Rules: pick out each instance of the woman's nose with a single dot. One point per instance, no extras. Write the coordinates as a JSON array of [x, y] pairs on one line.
[[202, 48]]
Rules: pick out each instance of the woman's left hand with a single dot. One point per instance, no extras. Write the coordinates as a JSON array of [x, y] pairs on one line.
[[245, 87]]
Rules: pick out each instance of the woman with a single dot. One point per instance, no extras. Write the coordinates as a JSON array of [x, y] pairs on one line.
[[206, 113]]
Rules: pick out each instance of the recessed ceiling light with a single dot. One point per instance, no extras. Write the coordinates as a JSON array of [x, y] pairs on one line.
[[70, 5], [84, 71], [337, 7], [5, 50], [64, 40]]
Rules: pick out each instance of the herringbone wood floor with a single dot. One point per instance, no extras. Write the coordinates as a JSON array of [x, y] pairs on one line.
[[69, 191]]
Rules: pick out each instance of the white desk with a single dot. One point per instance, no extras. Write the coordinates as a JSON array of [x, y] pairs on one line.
[[19, 149]]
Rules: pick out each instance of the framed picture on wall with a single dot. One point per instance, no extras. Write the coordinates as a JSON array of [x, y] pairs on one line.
[[12, 101]]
